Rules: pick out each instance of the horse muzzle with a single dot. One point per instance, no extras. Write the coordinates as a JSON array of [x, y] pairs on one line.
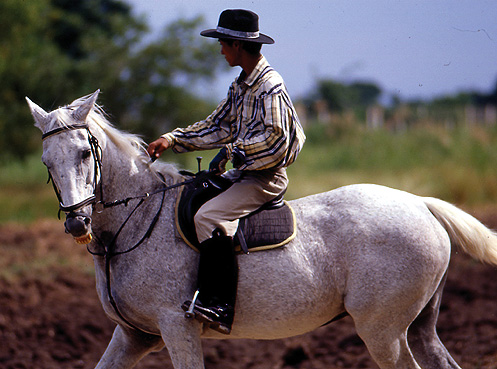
[[79, 226]]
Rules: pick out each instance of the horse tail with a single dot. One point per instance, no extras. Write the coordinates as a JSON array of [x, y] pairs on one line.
[[465, 231]]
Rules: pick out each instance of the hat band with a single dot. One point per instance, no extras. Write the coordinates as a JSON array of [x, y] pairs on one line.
[[233, 33]]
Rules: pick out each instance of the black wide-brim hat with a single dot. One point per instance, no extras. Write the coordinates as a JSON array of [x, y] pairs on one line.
[[238, 24]]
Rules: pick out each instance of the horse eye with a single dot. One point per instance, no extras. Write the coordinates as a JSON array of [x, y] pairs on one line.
[[86, 154]]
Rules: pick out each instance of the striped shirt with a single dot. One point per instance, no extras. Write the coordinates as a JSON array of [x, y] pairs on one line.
[[257, 118]]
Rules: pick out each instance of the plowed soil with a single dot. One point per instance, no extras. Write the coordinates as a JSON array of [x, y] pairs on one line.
[[50, 316]]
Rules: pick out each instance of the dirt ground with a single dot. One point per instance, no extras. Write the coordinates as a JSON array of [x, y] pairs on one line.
[[50, 316]]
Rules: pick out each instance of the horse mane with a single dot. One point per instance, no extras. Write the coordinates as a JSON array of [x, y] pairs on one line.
[[130, 144]]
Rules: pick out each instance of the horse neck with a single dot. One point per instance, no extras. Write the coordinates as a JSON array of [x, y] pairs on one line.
[[124, 176]]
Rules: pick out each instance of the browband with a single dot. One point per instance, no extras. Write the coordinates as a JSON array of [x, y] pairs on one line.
[[62, 129]]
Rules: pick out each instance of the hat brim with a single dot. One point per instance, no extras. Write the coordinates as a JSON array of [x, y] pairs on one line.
[[262, 39]]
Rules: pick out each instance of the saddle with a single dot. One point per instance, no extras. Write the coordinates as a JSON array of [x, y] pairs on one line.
[[272, 225]]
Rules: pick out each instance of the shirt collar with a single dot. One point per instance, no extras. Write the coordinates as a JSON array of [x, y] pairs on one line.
[[249, 81]]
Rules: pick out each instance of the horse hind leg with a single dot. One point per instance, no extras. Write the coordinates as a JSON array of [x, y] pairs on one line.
[[423, 339], [388, 347], [383, 325], [385, 334]]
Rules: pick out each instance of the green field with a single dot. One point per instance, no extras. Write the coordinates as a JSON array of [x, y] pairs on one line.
[[456, 165]]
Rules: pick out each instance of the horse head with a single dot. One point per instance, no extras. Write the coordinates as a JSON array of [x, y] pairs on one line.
[[72, 156]]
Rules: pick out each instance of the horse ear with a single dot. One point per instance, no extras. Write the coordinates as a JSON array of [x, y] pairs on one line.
[[40, 116], [82, 112]]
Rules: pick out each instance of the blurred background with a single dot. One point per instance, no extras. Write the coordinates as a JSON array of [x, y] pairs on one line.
[[397, 93]]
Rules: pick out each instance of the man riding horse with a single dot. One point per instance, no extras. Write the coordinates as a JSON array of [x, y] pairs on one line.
[[257, 129]]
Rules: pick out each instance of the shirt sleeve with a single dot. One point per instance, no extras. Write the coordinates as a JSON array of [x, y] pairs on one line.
[[210, 133]]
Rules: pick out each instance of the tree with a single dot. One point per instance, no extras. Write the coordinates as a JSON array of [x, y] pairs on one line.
[[364, 94], [340, 97], [73, 25], [26, 63], [44, 46], [156, 88], [56, 50]]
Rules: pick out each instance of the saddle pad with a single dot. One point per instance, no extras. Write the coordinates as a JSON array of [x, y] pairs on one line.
[[261, 230], [267, 229]]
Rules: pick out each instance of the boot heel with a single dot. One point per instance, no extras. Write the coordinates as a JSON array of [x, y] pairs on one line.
[[220, 327]]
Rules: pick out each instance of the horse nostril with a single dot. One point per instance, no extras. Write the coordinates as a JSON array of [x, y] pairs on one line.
[[77, 224]]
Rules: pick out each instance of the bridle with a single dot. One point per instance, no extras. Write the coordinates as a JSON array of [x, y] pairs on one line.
[[96, 152], [109, 251]]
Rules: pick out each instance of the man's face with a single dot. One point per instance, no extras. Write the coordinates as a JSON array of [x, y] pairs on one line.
[[231, 52]]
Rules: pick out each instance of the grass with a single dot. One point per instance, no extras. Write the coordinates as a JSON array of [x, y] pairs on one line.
[[25, 203], [24, 197], [458, 166]]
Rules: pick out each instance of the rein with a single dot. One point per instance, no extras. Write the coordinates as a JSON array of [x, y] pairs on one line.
[[99, 205], [110, 249]]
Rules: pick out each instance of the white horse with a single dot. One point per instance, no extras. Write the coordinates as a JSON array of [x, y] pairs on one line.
[[377, 254]]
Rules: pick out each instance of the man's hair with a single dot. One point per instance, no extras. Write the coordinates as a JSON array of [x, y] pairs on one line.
[[253, 48]]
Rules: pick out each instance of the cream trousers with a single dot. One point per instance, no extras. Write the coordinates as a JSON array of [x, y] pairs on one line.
[[250, 190]]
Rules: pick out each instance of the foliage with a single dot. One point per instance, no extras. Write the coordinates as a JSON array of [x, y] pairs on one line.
[[57, 50], [43, 46], [74, 25], [159, 79], [340, 97], [21, 50]]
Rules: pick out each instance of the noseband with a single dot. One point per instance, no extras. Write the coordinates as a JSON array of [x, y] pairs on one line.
[[96, 151]]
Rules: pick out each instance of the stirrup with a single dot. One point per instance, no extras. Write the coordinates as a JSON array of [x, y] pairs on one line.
[[207, 316], [190, 313]]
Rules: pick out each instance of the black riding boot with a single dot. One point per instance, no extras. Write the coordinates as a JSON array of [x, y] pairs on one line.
[[217, 283]]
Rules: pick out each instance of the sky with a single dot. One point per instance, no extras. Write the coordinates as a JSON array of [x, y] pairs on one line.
[[412, 49]]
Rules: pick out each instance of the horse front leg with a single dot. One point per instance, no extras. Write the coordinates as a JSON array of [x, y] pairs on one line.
[[182, 339], [127, 347]]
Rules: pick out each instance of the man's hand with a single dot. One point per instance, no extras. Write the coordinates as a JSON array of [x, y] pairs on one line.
[[218, 164], [157, 147]]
